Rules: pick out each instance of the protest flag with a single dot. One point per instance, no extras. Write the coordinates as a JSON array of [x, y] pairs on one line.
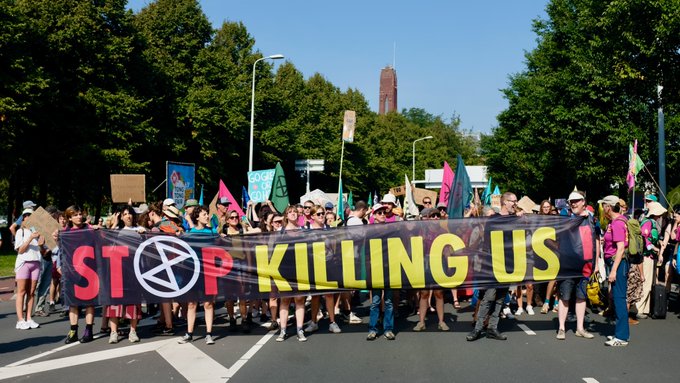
[[370, 200], [496, 191], [447, 180], [461, 191], [245, 198], [486, 195], [200, 199], [341, 206], [279, 193], [410, 208], [635, 164], [350, 200], [224, 192]]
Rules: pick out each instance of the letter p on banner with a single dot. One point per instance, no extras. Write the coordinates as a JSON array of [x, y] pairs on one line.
[[211, 271]]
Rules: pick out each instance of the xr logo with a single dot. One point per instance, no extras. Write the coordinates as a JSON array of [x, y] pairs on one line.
[[164, 275]]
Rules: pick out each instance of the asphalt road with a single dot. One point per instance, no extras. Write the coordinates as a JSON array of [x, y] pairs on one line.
[[39, 355]]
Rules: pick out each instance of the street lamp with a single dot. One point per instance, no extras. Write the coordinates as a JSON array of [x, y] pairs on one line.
[[413, 176], [252, 109]]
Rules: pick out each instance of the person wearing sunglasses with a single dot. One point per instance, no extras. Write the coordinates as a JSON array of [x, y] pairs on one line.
[[306, 218], [319, 223], [290, 220]]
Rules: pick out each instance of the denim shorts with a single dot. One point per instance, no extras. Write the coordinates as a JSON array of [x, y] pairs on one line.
[[574, 284]]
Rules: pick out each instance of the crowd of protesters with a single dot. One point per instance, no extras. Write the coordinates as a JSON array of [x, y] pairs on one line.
[[629, 283]]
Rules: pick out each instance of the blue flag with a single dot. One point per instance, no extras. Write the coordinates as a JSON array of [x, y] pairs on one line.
[[341, 205], [461, 191], [200, 199], [496, 191], [244, 197]]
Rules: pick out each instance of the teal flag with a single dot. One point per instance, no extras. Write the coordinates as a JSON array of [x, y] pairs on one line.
[[496, 191], [350, 200], [341, 205], [370, 200], [200, 200], [461, 191], [279, 193], [486, 195]]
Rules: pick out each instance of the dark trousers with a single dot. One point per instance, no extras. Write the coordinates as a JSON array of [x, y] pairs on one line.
[[492, 303]]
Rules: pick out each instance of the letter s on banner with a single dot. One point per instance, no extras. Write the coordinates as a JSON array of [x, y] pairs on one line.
[[92, 289]]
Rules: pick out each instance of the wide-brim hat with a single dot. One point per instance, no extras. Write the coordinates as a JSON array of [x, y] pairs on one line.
[[172, 212], [389, 198], [655, 209], [377, 207], [610, 200]]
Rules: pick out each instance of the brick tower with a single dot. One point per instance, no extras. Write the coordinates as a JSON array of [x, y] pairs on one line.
[[388, 90]]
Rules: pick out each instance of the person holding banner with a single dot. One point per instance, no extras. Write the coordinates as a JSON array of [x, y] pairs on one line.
[[290, 221], [381, 295], [615, 243], [235, 227], [201, 217], [75, 221], [319, 222], [493, 298], [546, 208], [577, 286]]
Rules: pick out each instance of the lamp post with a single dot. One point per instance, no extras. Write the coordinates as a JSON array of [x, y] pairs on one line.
[[413, 176], [252, 110]]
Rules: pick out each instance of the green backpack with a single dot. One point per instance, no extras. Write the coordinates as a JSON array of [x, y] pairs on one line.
[[636, 243], [654, 234]]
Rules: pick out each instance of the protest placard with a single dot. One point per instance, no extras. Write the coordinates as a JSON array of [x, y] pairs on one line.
[[419, 194], [398, 190], [260, 184], [42, 222], [125, 187]]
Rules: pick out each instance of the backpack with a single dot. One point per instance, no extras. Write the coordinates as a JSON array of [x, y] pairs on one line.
[[636, 243], [653, 234]]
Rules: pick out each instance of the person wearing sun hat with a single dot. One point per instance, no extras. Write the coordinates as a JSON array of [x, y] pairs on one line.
[[649, 228], [615, 242]]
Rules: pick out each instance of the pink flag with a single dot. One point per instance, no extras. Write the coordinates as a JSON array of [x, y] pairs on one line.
[[224, 192], [447, 181]]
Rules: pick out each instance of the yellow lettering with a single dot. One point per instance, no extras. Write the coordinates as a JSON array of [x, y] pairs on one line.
[[519, 249], [414, 267], [321, 281], [348, 267], [302, 267], [540, 249], [460, 263], [268, 269], [377, 273]]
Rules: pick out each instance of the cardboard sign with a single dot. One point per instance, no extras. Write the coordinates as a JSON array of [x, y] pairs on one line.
[[42, 222], [419, 194], [398, 190], [260, 184], [496, 200], [348, 126], [128, 186]]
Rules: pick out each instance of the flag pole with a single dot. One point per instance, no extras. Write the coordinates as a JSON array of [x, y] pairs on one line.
[[342, 156]]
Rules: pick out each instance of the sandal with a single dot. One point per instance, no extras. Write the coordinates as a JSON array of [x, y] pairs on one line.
[[456, 305]]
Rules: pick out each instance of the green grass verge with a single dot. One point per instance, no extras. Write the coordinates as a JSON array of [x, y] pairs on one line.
[[7, 263]]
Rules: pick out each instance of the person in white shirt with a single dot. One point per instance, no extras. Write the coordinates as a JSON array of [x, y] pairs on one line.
[[29, 245]]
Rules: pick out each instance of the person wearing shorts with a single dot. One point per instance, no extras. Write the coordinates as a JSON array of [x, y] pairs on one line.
[[29, 244]]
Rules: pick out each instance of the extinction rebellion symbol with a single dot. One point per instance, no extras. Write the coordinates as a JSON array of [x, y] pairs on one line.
[[174, 256]]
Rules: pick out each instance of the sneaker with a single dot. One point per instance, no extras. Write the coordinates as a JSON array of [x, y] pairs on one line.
[[319, 315], [337, 311], [41, 313], [87, 336], [273, 325], [615, 342], [301, 336], [508, 314], [530, 310], [167, 332], [72, 337], [389, 335], [52, 309], [571, 317], [354, 319], [32, 324], [133, 336], [519, 312], [442, 326], [209, 339], [545, 308], [555, 308], [22, 325], [113, 338], [334, 328], [282, 336], [186, 339], [610, 337], [584, 334], [371, 335], [312, 327], [420, 327], [561, 335], [641, 316]]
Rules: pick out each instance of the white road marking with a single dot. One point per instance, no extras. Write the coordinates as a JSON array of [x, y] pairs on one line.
[[43, 354], [193, 364], [26, 369], [250, 353], [590, 380], [526, 329]]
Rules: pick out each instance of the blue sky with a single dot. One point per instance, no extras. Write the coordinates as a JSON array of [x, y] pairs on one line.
[[452, 57]]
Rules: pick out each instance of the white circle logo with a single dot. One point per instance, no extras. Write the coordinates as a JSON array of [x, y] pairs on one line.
[[163, 275]]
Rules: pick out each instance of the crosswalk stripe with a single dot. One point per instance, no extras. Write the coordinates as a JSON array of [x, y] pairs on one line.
[[193, 364], [526, 329]]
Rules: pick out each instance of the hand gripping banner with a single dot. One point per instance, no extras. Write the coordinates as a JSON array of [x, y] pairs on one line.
[[124, 267]]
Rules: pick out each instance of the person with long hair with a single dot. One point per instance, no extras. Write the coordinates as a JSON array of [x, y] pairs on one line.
[[546, 208], [290, 220], [29, 245]]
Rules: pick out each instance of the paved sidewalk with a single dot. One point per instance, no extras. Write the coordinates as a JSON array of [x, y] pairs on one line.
[[6, 288]]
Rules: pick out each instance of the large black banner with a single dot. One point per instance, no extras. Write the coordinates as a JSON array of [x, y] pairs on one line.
[[115, 267]]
